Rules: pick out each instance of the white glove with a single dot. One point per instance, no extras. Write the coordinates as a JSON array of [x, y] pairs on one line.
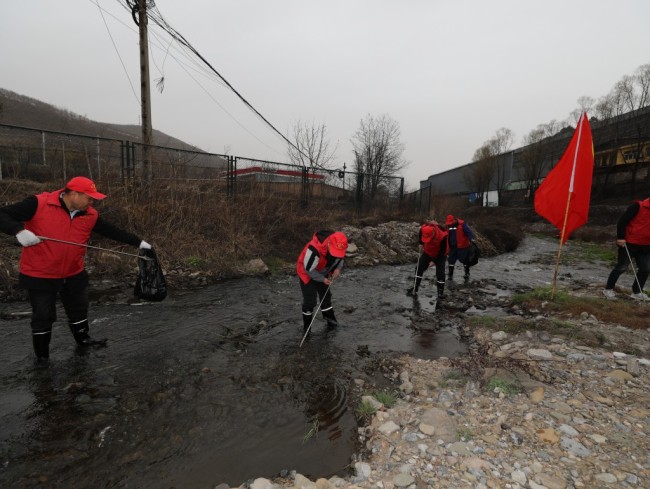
[[144, 245], [27, 238]]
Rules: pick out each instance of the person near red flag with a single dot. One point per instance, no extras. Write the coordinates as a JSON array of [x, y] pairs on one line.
[[633, 241], [564, 195]]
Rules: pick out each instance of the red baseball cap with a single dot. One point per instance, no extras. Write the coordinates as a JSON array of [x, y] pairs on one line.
[[338, 244], [427, 233], [85, 186], [450, 220]]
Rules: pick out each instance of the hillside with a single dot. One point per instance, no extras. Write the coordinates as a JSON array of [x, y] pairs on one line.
[[20, 110]]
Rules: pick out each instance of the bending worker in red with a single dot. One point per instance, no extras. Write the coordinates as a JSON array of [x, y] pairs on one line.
[[49, 268], [433, 245], [459, 238], [319, 263]]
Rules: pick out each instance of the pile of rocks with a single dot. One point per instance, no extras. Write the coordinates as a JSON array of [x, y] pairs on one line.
[[571, 417]]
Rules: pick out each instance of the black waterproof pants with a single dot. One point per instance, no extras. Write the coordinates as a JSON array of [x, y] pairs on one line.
[[42, 297]]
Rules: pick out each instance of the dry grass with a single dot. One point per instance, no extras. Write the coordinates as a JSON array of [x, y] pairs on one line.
[[195, 226], [626, 313]]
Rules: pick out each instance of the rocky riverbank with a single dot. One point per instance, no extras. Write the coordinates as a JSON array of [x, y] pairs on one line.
[[543, 413], [548, 398]]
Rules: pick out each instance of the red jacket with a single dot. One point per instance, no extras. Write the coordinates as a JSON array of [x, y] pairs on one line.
[[462, 241], [438, 245], [321, 248], [50, 259], [638, 229]]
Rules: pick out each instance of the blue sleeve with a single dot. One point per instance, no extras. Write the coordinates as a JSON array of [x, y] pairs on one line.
[[468, 232]]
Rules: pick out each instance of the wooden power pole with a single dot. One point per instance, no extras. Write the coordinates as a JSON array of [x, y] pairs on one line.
[[145, 92]]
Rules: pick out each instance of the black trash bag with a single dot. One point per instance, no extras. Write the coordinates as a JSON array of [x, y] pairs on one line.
[[473, 254], [150, 284]]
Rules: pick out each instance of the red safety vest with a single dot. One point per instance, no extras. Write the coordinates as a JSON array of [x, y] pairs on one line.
[[462, 241], [638, 229], [321, 248], [50, 259], [432, 248]]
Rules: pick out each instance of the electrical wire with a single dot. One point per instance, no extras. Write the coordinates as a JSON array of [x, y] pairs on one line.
[[117, 51], [158, 19]]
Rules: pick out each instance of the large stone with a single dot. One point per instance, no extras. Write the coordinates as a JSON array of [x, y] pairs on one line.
[[262, 483], [550, 481], [388, 427], [445, 426], [403, 480], [548, 435], [539, 354], [620, 375], [537, 395]]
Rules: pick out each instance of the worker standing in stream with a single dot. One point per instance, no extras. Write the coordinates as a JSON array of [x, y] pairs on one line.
[[432, 241], [49, 268], [319, 263]]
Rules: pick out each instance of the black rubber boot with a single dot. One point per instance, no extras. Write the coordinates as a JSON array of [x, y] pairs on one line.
[[413, 291], [441, 290], [331, 318], [450, 275], [80, 332], [306, 320], [41, 343]]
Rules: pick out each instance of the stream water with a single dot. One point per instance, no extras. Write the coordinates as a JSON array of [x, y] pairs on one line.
[[208, 386], [211, 386]]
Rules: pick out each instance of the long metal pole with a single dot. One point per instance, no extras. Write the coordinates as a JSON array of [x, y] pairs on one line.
[[629, 257], [94, 247], [316, 313]]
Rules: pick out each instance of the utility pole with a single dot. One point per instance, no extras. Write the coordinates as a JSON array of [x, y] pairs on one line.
[[145, 92]]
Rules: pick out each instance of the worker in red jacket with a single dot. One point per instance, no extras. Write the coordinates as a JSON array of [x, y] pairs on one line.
[[633, 241], [319, 263], [459, 239], [432, 241], [49, 268]]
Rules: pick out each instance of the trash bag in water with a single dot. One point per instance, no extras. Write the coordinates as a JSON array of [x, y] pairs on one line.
[[150, 284], [473, 255]]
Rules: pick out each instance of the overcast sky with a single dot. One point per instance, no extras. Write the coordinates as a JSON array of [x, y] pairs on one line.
[[451, 73]]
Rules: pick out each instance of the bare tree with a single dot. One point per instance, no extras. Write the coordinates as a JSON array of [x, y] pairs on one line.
[[585, 104], [378, 152], [534, 154], [312, 146], [635, 94], [629, 95], [490, 168], [478, 174]]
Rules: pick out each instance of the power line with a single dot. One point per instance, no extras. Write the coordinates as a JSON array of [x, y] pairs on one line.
[[158, 19], [117, 51]]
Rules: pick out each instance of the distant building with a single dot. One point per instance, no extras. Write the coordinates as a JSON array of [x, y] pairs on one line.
[[621, 156]]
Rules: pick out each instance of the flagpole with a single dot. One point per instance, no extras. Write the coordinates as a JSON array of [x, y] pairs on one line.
[[568, 202], [559, 251]]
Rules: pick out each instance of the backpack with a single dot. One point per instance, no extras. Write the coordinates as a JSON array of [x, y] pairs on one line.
[[473, 254], [150, 284]]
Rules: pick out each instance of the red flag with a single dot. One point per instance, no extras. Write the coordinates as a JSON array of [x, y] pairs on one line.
[[564, 195]]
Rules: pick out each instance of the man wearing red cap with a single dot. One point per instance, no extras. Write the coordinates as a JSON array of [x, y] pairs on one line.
[[50, 268], [433, 246], [459, 238], [319, 263]]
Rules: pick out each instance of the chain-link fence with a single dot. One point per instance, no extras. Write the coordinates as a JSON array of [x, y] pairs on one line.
[[44, 155]]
